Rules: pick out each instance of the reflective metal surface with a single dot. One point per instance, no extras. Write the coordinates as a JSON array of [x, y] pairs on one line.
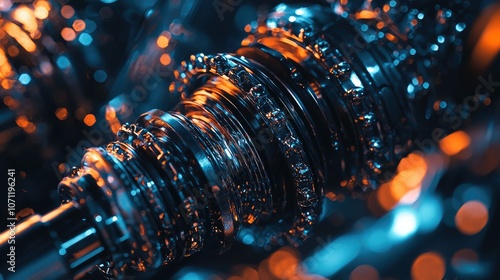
[[321, 103]]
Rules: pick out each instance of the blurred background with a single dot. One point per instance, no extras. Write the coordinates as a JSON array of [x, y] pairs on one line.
[[71, 72]]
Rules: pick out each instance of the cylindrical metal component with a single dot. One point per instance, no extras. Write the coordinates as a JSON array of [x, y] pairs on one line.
[[317, 101], [58, 245]]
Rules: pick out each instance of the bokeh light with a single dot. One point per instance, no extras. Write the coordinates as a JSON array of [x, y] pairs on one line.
[[454, 143], [364, 272], [472, 217], [428, 266]]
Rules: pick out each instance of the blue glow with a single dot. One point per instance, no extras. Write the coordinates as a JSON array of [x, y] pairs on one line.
[[430, 213], [85, 39], [410, 88], [108, 1], [442, 104], [63, 62], [374, 69], [248, 239], [24, 79], [100, 76], [377, 241], [334, 256], [477, 193], [192, 276], [405, 223], [460, 27], [280, 8], [90, 26]]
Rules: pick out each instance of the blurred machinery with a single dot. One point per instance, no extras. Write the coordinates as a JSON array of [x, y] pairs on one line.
[[392, 106]]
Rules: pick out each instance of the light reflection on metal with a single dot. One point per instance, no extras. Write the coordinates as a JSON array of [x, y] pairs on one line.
[[175, 182]]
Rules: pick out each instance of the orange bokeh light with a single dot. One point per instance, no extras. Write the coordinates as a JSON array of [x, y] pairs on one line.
[[89, 120], [162, 41], [284, 263], [165, 59], [62, 113], [68, 34], [405, 187], [454, 143], [67, 11], [428, 266], [488, 43], [472, 217], [79, 25], [464, 256], [364, 272]]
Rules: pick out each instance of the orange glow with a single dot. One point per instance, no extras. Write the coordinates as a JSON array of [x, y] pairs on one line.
[[454, 143], [165, 59], [284, 263], [261, 29], [428, 266], [62, 113], [68, 34], [89, 120], [13, 51], [67, 11], [488, 44], [471, 218], [364, 272], [30, 128], [25, 15], [21, 37], [405, 187], [42, 9], [391, 37], [79, 25], [331, 196], [113, 121], [365, 14], [248, 28], [22, 121], [162, 41], [464, 256], [7, 84]]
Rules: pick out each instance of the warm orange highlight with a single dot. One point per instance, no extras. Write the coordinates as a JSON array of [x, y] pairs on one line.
[[89, 120], [26, 16], [42, 9], [62, 113], [165, 59], [20, 36], [428, 266], [365, 14], [454, 143], [67, 11], [472, 217], [284, 263], [162, 41], [68, 34], [114, 122], [488, 44], [22, 121], [464, 256], [364, 272], [79, 25], [405, 187]]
